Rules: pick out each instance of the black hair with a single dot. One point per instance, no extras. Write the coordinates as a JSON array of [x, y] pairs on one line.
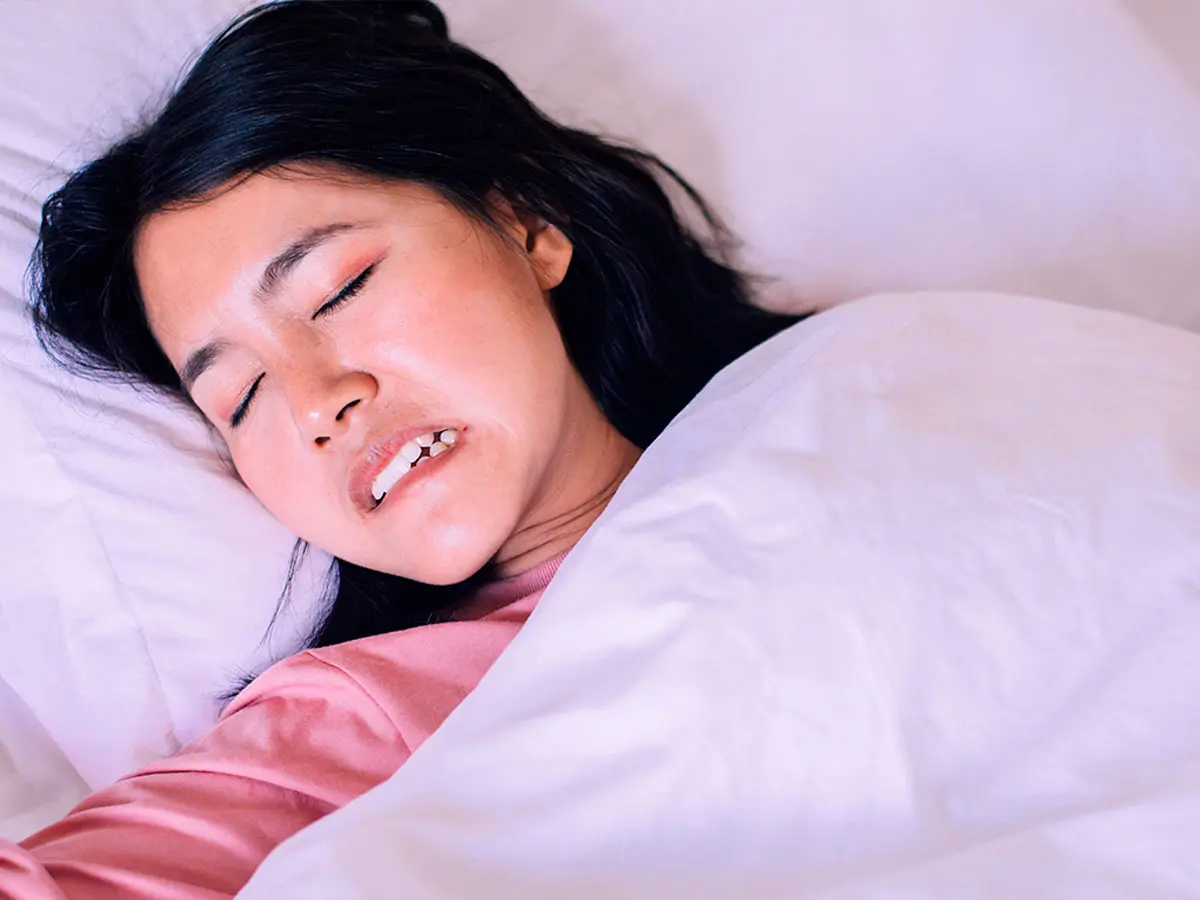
[[650, 308]]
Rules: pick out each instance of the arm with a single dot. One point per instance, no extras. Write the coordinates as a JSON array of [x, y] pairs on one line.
[[302, 741]]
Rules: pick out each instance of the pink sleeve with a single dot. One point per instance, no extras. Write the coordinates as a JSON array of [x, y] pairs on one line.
[[301, 741]]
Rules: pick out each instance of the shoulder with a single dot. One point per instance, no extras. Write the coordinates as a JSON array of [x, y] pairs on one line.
[[305, 726], [307, 676], [415, 677]]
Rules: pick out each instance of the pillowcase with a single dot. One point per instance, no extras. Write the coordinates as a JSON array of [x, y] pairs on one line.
[[856, 146], [140, 577]]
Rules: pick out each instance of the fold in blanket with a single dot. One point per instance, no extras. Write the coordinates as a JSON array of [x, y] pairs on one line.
[[904, 605]]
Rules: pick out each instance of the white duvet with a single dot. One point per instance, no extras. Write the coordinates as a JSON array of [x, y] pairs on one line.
[[903, 606]]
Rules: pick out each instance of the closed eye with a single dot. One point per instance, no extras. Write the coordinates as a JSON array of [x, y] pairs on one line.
[[351, 288], [239, 414]]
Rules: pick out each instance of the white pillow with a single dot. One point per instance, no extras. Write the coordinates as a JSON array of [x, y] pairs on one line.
[[857, 145], [861, 146], [139, 576], [904, 605]]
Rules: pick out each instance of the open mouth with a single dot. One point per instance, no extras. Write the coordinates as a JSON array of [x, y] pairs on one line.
[[409, 457]]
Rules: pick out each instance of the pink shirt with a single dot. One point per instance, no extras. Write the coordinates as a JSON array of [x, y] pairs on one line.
[[306, 738]]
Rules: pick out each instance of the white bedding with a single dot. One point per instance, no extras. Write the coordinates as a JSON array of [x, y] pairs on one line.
[[905, 605], [856, 145]]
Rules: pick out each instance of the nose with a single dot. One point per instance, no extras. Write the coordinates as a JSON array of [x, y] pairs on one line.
[[322, 402]]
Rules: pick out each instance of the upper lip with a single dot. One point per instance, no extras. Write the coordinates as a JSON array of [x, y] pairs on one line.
[[374, 458]]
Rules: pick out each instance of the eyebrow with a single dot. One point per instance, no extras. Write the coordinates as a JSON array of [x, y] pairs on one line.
[[201, 360], [293, 254]]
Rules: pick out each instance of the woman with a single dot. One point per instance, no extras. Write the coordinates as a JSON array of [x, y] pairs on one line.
[[435, 330]]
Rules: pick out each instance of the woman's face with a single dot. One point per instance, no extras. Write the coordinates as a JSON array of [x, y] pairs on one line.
[[332, 329]]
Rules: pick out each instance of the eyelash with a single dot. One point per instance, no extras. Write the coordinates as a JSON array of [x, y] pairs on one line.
[[240, 413], [347, 292]]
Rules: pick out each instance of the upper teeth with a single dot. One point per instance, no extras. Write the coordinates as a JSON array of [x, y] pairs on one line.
[[436, 442]]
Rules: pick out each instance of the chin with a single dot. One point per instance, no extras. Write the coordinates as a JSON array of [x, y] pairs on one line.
[[452, 572], [449, 559]]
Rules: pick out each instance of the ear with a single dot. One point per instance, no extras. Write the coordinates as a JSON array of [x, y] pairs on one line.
[[548, 249]]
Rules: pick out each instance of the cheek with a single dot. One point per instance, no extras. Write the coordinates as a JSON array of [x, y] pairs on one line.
[[285, 486], [475, 340]]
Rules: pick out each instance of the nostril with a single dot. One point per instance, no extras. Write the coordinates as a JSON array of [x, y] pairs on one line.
[[346, 407], [321, 441]]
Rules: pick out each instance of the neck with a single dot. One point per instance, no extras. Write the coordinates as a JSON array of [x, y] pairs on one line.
[[598, 463]]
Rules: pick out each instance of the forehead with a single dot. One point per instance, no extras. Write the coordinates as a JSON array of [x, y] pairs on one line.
[[193, 260], [253, 217]]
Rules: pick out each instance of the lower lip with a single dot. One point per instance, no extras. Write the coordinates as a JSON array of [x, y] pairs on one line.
[[431, 466]]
